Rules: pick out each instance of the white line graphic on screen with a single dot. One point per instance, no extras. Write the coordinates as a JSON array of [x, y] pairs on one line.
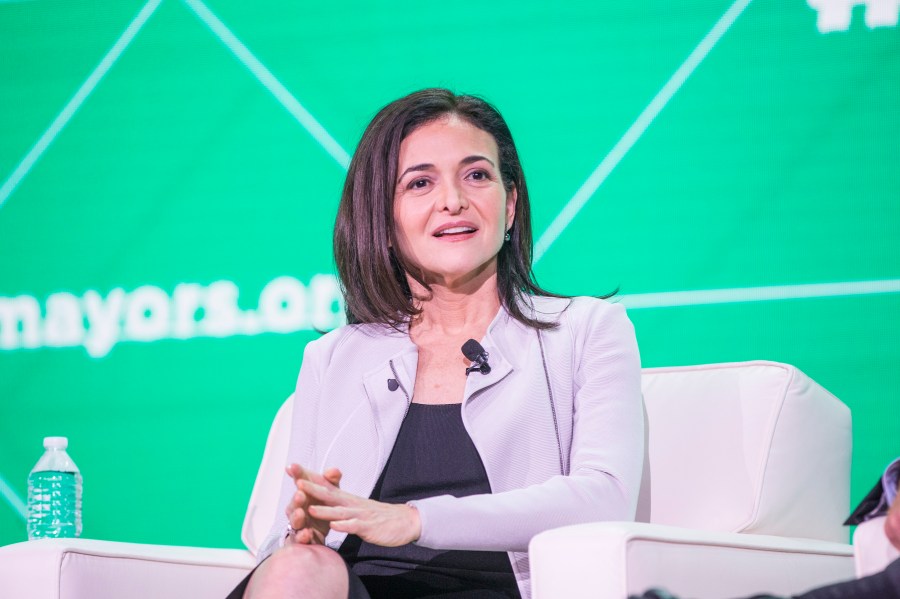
[[673, 299], [634, 132], [12, 498], [77, 100], [271, 83]]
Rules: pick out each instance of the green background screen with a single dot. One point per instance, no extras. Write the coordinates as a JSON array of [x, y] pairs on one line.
[[170, 174]]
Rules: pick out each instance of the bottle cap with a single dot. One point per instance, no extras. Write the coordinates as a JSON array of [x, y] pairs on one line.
[[56, 442]]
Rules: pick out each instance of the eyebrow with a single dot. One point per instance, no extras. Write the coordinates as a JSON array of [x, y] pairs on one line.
[[427, 165]]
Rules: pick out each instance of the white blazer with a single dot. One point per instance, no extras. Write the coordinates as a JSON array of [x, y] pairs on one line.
[[346, 416]]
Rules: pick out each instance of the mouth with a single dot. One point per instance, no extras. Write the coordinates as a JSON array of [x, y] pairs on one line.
[[457, 230]]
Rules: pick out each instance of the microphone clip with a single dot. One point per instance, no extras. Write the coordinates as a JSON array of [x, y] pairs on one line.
[[480, 366], [473, 351]]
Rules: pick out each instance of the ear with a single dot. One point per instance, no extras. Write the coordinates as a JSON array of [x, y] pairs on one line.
[[512, 196]]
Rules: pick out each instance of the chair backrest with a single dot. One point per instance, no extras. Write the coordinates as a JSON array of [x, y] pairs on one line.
[[754, 447], [263, 507]]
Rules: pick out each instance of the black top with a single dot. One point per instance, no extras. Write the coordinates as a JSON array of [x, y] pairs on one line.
[[433, 455]]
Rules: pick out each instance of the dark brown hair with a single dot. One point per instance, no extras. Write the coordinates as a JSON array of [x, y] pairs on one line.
[[372, 274]]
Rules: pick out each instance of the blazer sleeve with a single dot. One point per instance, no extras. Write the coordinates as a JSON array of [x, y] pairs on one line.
[[302, 443], [606, 456]]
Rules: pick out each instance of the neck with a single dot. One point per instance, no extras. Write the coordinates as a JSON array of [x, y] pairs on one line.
[[456, 310]]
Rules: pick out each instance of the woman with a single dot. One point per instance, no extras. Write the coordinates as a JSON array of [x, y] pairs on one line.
[[416, 473]]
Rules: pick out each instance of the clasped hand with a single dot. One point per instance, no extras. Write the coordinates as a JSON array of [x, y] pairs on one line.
[[319, 504]]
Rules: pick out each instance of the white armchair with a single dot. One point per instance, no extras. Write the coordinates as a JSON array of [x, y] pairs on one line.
[[745, 489], [745, 486]]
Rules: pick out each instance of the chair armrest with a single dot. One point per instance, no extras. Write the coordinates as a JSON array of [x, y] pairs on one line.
[[871, 548], [610, 560], [77, 568]]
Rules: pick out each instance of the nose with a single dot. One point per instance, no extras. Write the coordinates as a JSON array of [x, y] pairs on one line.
[[454, 199]]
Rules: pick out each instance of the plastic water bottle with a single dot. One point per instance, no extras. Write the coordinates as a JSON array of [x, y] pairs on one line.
[[54, 493]]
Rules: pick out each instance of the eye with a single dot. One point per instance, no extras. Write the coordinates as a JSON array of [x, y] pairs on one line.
[[480, 175], [418, 184]]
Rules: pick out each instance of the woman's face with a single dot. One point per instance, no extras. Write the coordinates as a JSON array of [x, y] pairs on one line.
[[451, 210]]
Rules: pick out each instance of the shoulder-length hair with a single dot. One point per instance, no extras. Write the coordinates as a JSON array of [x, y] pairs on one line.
[[372, 273]]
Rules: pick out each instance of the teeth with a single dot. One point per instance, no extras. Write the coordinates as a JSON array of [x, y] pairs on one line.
[[453, 230]]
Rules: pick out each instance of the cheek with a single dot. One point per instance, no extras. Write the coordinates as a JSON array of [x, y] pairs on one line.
[[410, 225], [407, 220]]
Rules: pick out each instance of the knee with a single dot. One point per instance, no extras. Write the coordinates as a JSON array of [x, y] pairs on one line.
[[294, 569], [300, 561]]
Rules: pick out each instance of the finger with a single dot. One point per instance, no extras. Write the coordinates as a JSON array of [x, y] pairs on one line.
[[327, 496], [331, 513], [352, 526], [298, 473], [303, 536], [299, 498], [329, 479], [296, 537], [298, 501], [294, 470], [298, 518]]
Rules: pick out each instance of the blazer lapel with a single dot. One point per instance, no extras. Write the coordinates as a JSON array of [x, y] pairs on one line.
[[390, 402], [500, 367], [501, 333]]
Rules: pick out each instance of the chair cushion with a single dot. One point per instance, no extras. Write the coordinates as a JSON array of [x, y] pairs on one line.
[[75, 568]]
